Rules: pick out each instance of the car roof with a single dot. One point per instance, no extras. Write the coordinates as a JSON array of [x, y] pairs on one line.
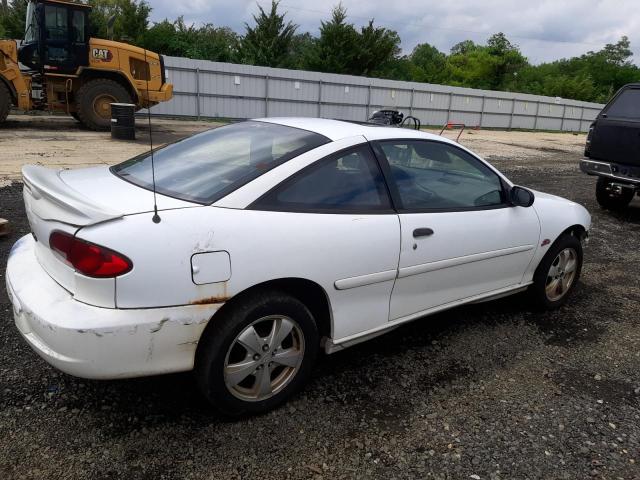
[[339, 129]]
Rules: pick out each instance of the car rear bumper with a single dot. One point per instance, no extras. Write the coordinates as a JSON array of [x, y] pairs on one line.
[[624, 173], [94, 342]]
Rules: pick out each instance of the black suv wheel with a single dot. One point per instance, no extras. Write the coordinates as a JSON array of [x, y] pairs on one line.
[[611, 197]]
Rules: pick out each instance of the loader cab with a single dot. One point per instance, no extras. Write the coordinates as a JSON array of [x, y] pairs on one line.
[[56, 36]]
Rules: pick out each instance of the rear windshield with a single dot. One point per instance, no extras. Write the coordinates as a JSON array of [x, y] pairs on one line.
[[207, 166], [625, 105]]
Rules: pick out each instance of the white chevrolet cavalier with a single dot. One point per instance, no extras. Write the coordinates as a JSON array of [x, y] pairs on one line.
[[276, 237]]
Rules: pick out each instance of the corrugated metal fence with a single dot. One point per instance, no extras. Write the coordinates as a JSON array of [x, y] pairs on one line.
[[204, 89]]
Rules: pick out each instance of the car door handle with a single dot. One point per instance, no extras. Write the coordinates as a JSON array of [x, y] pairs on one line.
[[422, 232]]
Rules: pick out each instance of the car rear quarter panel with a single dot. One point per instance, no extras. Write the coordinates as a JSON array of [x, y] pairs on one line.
[[262, 246]]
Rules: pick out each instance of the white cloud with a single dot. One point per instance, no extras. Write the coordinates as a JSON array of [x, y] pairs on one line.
[[544, 29]]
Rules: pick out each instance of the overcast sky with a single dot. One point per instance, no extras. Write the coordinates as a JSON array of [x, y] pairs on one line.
[[544, 29]]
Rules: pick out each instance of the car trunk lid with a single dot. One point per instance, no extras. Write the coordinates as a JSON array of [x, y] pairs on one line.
[[67, 200]]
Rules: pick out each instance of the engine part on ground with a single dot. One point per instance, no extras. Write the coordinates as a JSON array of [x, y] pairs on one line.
[[394, 118], [386, 117], [411, 122]]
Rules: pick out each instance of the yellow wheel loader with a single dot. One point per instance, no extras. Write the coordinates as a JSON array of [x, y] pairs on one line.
[[58, 67]]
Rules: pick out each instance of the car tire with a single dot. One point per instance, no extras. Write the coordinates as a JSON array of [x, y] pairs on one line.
[[237, 357], [609, 199], [557, 274], [5, 102], [93, 102]]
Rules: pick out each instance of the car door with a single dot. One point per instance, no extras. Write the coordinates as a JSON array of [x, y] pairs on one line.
[[616, 136], [459, 236], [332, 222]]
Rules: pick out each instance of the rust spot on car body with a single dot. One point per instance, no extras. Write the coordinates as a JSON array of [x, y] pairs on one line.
[[221, 297], [210, 300]]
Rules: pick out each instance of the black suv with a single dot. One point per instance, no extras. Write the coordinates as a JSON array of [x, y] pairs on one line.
[[612, 151]]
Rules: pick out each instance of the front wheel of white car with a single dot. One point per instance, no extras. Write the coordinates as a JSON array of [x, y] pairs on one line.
[[558, 273], [256, 354]]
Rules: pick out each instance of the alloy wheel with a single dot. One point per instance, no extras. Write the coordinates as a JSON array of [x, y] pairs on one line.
[[562, 274], [264, 358]]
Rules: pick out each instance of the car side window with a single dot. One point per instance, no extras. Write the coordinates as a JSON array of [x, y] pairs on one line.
[[626, 105], [433, 175], [349, 181]]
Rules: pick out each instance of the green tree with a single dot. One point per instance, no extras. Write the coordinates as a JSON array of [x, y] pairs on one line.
[[377, 47], [372, 51], [474, 68], [463, 47], [13, 19], [618, 54], [399, 68], [300, 49], [131, 19], [429, 64], [492, 66], [594, 76], [178, 39], [508, 60], [335, 50], [268, 43], [163, 38], [218, 44]]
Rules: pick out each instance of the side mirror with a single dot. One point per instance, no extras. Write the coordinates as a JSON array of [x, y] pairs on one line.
[[521, 197]]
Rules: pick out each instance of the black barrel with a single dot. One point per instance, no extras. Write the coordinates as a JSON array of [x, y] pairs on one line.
[[123, 121]]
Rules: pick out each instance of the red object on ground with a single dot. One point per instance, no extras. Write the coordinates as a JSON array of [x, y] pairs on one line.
[[450, 125]]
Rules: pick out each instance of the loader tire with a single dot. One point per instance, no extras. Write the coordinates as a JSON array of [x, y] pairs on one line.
[[93, 102], [5, 102]]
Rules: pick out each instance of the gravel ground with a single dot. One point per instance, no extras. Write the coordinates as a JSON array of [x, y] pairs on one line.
[[487, 391]]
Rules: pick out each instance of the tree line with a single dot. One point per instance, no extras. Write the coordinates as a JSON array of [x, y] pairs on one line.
[[270, 39]]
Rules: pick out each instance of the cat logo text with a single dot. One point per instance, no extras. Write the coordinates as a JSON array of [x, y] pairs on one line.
[[102, 54]]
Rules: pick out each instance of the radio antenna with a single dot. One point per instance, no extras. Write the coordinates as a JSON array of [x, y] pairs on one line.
[[156, 217]]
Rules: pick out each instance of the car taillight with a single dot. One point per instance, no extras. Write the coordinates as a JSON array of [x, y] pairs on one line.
[[587, 145], [87, 258]]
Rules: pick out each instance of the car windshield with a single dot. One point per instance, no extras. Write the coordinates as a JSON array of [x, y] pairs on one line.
[[207, 166]]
